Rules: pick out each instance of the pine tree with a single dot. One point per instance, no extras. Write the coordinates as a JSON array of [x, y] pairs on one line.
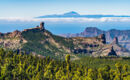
[[59, 74], [119, 71], [68, 65]]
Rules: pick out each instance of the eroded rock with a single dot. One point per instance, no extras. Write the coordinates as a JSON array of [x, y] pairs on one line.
[[115, 41], [102, 38], [112, 52]]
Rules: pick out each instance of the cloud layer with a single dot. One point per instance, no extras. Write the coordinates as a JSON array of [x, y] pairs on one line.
[[105, 19]]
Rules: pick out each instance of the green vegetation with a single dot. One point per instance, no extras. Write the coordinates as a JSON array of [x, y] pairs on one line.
[[38, 42], [28, 67], [64, 41], [98, 62]]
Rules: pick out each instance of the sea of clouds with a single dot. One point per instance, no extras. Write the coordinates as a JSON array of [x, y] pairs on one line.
[[103, 19], [64, 25]]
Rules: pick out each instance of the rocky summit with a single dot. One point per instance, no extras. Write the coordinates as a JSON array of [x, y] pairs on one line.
[[40, 41]]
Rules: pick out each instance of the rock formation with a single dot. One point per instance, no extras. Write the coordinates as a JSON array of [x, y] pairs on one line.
[[42, 26], [112, 52], [123, 35], [27, 39], [1, 34], [115, 41], [16, 33], [103, 38]]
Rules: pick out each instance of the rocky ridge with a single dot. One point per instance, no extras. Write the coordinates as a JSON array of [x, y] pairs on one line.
[[122, 35], [40, 41]]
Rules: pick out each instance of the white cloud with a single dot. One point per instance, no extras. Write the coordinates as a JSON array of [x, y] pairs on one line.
[[105, 19]]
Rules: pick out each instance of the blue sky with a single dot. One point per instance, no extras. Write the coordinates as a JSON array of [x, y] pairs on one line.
[[34, 8], [17, 14]]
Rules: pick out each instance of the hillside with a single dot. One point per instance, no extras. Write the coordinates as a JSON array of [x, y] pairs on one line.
[[122, 35], [38, 40]]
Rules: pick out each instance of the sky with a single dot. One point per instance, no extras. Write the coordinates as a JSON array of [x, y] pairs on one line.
[[20, 14], [34, 8]]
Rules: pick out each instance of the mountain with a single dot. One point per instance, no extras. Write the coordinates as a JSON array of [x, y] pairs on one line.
[[40, 41], [74, 14], [122, 35], [69, 14]]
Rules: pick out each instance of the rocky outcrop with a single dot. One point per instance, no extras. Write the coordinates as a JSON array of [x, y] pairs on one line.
[[115, 41], [123, 35], [12, 40], [15, 34], [112, 52], [102, 38], [92, 32], [42, 26], [1, 34]]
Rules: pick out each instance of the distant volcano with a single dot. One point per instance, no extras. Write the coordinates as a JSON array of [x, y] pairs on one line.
[[74, 14]]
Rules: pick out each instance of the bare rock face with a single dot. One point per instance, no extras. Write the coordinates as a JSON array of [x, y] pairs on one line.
[[112, 52], [115, 41], [12, 40], [42, 26], [91, 32], [102, 38], [16, 33]]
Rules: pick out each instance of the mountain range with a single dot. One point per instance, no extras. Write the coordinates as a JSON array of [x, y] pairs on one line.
[[40, 41], [122, 35], [74, 14]]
